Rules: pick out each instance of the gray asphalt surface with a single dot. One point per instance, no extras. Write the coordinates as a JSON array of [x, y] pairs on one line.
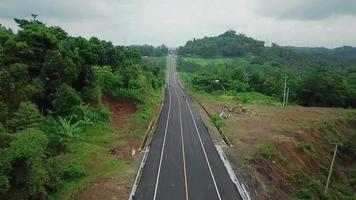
[[182, 162]]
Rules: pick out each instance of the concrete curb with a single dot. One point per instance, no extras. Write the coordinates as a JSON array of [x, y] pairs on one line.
[[240, 186], [139, 173], [224, 137]]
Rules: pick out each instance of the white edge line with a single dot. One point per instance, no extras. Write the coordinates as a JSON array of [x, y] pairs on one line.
[[202, 145], [143, 162], [240, 187], [139, 173], [164, 142]]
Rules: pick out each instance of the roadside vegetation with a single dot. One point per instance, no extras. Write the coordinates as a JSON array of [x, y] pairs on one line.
[[54, 127], [242, 64], [151, 51], [286, 151]]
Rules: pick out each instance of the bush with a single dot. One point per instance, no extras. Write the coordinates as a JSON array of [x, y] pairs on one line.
[[66, 100], [308, 148], [4, 137], [26, 116], [217, 120], [92, 94], [349, 147], [311, 189], [73, 172], [255, 98], [269, 151], [24, 170], [352, 177], [103, 113]]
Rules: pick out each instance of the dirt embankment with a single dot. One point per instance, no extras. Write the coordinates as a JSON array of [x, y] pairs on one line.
[[120, 109], [117, 185], [287, 151]]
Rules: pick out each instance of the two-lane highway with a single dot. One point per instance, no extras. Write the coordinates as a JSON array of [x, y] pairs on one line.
[[182, 162]]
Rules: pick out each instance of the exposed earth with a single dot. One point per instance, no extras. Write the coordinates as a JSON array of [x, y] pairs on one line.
[[283, 149]]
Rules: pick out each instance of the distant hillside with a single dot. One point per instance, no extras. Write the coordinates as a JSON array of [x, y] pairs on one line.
[[149, 50], [344, 52], [227, 44], [232, 44]]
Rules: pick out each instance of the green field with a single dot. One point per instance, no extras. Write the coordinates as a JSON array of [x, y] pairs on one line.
[[207, 61]]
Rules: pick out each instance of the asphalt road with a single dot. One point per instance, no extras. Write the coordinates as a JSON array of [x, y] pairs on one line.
[[182, 162]]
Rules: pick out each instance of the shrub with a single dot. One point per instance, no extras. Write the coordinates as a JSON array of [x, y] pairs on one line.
[[308, 148], [349, 147], [68, 131], [66, 100], [4, 137], [74, 171], [103, 113], [269, 151], [311, 189], [92, 94], [352, 177], [217, 120], [23, 166], [26, 116]]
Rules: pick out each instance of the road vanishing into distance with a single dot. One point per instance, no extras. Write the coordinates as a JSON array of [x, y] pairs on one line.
[[182, 162]]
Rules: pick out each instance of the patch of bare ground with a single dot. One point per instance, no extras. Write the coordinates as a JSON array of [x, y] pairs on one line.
[[282, 147], [117, 185]]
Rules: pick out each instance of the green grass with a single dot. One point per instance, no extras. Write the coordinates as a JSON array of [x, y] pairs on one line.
[[270, 151], [255, 98], [349, 113], [206, 61], [308, 148], [240, 97], [91, 154], [91, 151]]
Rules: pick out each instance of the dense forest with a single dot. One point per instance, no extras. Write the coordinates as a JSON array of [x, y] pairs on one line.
[[316, 76], [51, 85], [149, 50], [227, 44]]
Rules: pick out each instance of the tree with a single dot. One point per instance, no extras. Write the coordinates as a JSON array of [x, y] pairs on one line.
[[25, 117], [23, 167], [66, 100], [68, 132]]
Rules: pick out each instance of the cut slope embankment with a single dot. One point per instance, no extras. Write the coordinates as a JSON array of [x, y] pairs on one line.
[[287, 151]]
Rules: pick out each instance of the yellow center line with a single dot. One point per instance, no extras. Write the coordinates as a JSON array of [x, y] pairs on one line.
[[183, 151]]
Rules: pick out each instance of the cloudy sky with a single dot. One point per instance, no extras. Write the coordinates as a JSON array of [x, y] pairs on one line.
[[329, 23]]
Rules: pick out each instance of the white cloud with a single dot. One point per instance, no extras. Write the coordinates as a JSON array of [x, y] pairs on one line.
[[173, 22]]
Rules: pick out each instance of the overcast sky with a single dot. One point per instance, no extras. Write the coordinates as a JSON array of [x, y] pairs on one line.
[[329, 23]]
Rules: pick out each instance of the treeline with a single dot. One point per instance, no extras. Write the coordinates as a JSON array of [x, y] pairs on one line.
[[148, 50], [308, 86], [231, 44], [51, 86], [316, 76], [227, 44]]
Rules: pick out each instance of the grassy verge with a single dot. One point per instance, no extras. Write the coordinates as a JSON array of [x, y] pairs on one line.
[[248, 98], [223, 60], [89, 159]]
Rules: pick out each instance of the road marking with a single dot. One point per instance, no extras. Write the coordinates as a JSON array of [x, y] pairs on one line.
[[164, 142], [183, 151], [201, 143]]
